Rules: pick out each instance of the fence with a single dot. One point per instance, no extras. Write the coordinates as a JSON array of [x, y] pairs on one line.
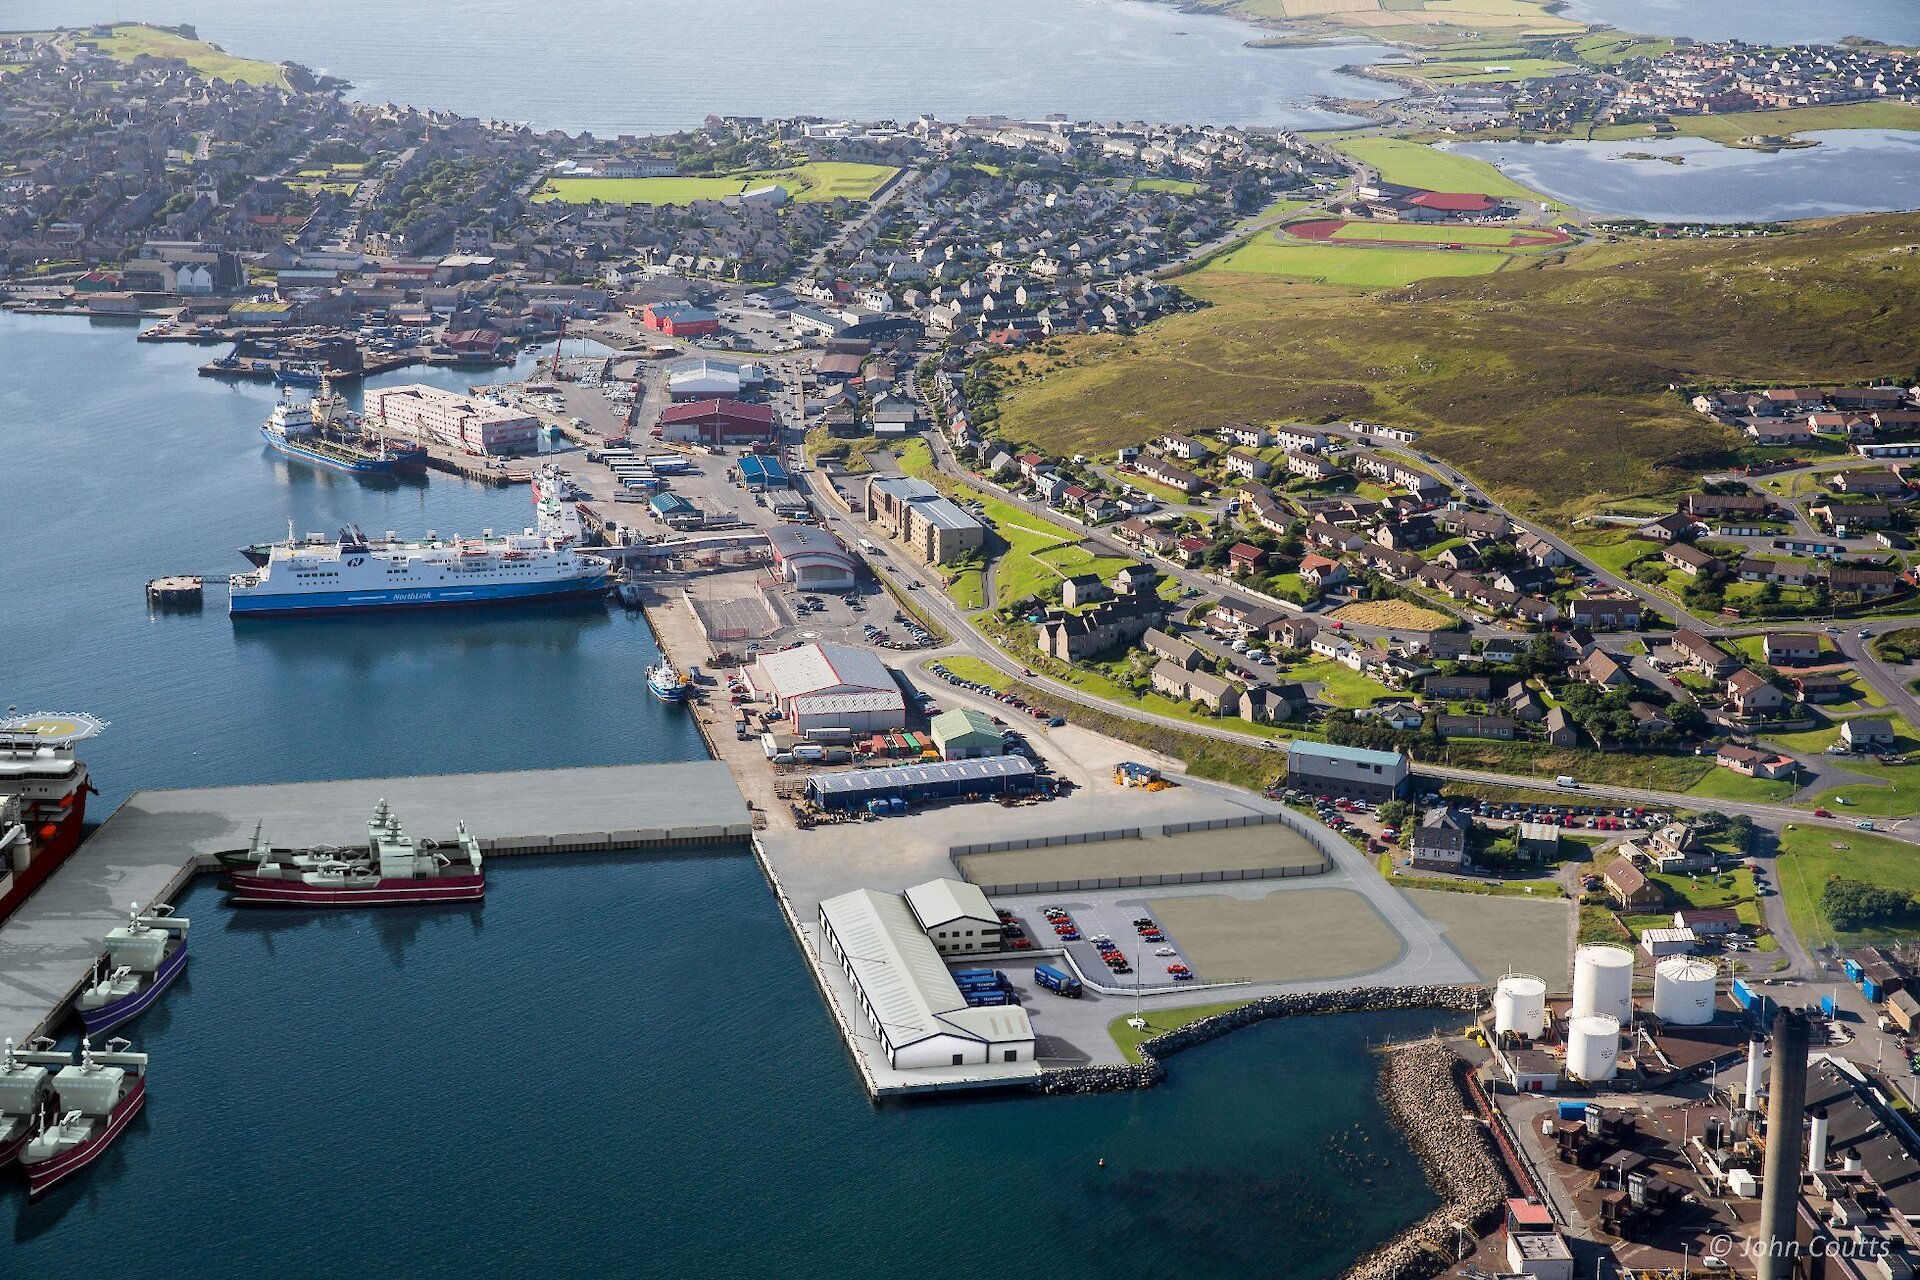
[[1043, 842], [1222, 824], [1150, 881]]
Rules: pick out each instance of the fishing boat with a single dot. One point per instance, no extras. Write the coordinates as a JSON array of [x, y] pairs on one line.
[[95, 1100], [394, 869], [144, 956], [665, 683], [304, 373], [26, 1093]]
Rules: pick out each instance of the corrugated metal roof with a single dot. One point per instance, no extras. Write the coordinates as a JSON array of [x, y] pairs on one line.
[[862, 781], [1334, 751], [960, 722], [903, 978], [822, 704], [814, 668]]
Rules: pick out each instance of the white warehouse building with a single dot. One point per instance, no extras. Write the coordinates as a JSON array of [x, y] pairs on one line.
[[956, 916], [832, 686], [705, 379], [465, 422], [907, 994]]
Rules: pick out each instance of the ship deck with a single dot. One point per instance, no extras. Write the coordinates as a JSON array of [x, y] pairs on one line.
[[155, 842]]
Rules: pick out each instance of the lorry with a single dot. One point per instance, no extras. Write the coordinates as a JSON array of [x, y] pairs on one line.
[[1058, 981]]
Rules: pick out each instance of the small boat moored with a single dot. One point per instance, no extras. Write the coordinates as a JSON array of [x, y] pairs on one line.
[[665, 683], [97, 1099], [143, 958]]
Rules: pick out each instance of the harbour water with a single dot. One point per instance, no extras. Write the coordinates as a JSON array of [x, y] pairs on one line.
[[126, 465], [1759, 21], [620, 1068], [652, 66], [1850, 171], [614, 1066]]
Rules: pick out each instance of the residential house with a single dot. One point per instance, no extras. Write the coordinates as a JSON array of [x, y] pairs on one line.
[[1445, 646], [1244, 558], [1182, 685], [1606, 613], [1601, 671], [1691, 560], [1707, 921], [1107, 625], [1246, 434], [1752, 694], [1319, 571], [1167, 473], [1825, 687], [1750, 763], [1296, 633], [1250, 465], [1852, 580], [1790, 648], [1630, 886], [1559, 729], [1172, 649], [1674, 527], [1875, 482], [1500, 728], [1847, 519], [1185, 448], [1537, 551], [1312, 467], [1702, 654], [1083, 588], [1272, 703], [1440, 841], [1463, 688], [1869, 733], [1136, 580], [1677, 849]]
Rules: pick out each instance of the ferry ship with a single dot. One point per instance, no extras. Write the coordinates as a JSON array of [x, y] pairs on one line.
[[353, 572], [43, 798], [144, 956], [665, 683], [308, 430], [26, 1093], [97, 1099], [395, 869]]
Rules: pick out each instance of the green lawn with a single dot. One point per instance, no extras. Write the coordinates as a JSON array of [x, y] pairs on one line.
[[968, 589], [1726, 889], [1733, 126], [1614, 549], [1809, 857], [1417, 165], [1179, 186], [1020, 572], [129, 40], [814, 181], [1077, 559], [1343, 687], [916, 458], [1428, 233], [1160, 1021], [1896, 795], [1358, 267], [1725, 784], [1805, 740], [1490, 70]]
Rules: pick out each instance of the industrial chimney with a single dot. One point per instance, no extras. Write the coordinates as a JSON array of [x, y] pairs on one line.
[[1817, 1143], [1786, 1108], [1756, 1063]]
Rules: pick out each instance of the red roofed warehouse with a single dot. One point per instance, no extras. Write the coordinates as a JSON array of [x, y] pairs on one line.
[[717, 422], [1454, 202]]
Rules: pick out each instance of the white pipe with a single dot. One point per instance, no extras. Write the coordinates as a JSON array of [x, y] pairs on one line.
[[1817, 1148], [1756, 1065]]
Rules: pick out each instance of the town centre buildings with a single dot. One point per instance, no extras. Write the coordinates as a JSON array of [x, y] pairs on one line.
[[935, 528]]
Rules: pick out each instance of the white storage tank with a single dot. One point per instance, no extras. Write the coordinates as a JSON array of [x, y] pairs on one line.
[[1603, 983], [1683, 990], [1593, 1048], [1520, 1005]]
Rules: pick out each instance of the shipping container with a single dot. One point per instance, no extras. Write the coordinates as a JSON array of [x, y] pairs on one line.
[[1058, 981]]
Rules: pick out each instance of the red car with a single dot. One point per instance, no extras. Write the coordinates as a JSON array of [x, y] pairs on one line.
[[1821, 813]]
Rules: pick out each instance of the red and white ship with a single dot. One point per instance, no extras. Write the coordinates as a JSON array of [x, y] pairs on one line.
[[43, 798], [26, 1093], [97, 1099], [395, 869]]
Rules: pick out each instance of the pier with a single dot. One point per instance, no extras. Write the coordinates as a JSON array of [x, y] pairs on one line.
[[152, 845]]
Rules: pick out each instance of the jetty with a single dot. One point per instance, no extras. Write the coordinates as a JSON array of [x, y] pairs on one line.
[[156, 842]]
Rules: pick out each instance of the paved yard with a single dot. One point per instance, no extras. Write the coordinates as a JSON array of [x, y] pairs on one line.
[[1286, 936], [1239, 849], [1498, 934]]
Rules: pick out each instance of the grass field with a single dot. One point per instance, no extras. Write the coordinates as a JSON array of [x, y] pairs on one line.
[[1399, 614], [130, 40], [1725, 784], [1417, 165], [1160, 1021], [1354, 267], [1343, 687], [1414, 233], [1730, 128], [1178, 186], [1490, 70], [1809, 858], [1511, 376], [815, 181]]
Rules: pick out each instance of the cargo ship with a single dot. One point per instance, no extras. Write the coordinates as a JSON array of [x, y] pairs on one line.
[[311, 431], [665, 683], [353, 572], [144, 956], [26, 1093], [96, 1100], [43, 798], [395, 869]]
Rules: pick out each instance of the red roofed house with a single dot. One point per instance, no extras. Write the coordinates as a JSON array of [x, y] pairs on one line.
[[717, 422], [1245, 558], [1320, 571]]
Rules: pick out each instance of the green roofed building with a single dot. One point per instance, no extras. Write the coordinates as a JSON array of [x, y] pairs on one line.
[[961, 734]]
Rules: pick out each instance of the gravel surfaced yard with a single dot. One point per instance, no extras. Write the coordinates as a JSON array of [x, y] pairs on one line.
[[1292, 935]]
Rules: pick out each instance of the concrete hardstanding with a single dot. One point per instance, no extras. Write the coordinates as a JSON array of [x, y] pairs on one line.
[[140, 854]]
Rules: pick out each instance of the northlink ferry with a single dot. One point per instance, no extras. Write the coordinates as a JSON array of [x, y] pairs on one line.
[[354, 572]]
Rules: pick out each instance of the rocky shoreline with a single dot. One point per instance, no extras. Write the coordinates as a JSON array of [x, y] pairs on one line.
[[1420, 1085]]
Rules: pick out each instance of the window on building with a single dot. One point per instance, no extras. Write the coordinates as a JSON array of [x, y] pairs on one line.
[[1013, 1055], [956, 1059]]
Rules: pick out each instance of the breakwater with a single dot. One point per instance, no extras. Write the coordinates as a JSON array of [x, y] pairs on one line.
[[1149, 1071]]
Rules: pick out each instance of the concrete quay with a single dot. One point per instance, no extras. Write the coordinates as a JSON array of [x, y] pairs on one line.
[[157, 841]]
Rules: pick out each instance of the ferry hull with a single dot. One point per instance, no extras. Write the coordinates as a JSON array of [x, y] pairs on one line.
[[263, 891], [44, 1175], [127, 1008], [416, 598], [50, 853], [10, 1148]]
